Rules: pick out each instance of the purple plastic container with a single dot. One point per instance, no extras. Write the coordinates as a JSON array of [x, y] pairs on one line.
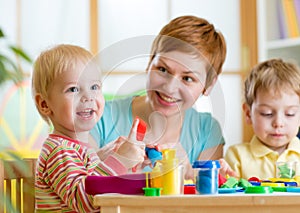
[[123, 184]]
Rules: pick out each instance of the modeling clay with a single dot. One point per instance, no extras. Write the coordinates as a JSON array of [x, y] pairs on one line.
[[206, 176], [153, 154], [254, 179], [222, 180], [285, 171], [244, 183], [141, 130], [231, 182]]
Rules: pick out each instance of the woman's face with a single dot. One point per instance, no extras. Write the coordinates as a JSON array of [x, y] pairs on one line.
[[175, 81]]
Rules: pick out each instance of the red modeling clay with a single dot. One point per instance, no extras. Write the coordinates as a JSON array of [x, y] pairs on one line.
[[141, 130], [254, 179], [222, 180]]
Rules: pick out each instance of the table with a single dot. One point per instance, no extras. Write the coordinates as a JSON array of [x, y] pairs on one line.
[[232, 203]]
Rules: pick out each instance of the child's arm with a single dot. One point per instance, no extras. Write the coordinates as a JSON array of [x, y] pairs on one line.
[[67, 168], [65, 174], [233, 160], [110, 148]]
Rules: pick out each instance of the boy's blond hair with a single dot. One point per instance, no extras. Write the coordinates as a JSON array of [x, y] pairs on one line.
[[52, 62], [196, 36], [273, 75]]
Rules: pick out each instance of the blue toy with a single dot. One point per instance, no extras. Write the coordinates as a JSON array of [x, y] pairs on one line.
[[153, 154]]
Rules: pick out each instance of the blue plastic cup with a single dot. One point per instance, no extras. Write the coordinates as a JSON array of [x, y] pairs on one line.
[[206, 176]]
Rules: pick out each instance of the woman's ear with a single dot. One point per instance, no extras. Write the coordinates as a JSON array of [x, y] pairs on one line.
[[42, 105], [247, 111], [207, 90]]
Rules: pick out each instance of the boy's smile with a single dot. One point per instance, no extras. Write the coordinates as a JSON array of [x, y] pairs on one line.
[[76, 100]]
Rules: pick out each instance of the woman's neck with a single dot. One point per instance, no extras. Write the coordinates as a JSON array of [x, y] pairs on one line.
[[165, 129], [161, 128]]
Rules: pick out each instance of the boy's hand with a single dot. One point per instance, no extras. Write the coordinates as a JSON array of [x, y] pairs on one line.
[[110, 148], [131, 151], [226, 169]]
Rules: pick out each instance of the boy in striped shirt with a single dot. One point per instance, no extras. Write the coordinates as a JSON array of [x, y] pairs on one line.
[[66, 88]]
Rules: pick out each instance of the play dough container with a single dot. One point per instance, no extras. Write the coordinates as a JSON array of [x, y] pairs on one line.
[[206, 176], [168, 174], [286, 169]]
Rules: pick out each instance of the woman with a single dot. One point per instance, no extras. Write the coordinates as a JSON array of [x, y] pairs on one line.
[[185, 61]]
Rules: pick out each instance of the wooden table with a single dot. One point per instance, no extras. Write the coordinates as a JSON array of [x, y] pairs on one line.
[[231, 203]]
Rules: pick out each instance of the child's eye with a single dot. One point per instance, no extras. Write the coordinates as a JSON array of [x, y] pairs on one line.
[[73, 89], [95, 87], [290, 114], [266, 114]]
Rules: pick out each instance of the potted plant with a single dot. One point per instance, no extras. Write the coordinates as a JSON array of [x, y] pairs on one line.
[[11, 69]]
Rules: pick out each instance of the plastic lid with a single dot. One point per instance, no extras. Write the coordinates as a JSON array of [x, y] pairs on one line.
[[189, 189], [282, 179], [272, 184], [254, 183], [152, 191], [279, 189], [293, 189], [290, 183], [206, 164], [259, 190]]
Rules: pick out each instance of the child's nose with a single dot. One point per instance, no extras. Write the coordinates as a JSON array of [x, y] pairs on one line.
[[278, 122], [87, 97]]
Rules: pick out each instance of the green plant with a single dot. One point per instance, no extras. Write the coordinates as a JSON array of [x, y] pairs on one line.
[[11, 69]]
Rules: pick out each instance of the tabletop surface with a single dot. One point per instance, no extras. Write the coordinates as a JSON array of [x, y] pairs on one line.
[[276, 202]]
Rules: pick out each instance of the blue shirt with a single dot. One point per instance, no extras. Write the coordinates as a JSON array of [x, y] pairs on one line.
[[199, 132]]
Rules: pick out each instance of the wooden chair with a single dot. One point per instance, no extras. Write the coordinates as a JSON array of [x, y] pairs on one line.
[[17, 185]]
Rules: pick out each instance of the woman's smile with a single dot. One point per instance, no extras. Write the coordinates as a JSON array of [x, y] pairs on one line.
[[166, 99]]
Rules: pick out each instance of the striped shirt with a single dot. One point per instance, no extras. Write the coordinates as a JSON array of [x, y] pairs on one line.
[[62, 167]]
